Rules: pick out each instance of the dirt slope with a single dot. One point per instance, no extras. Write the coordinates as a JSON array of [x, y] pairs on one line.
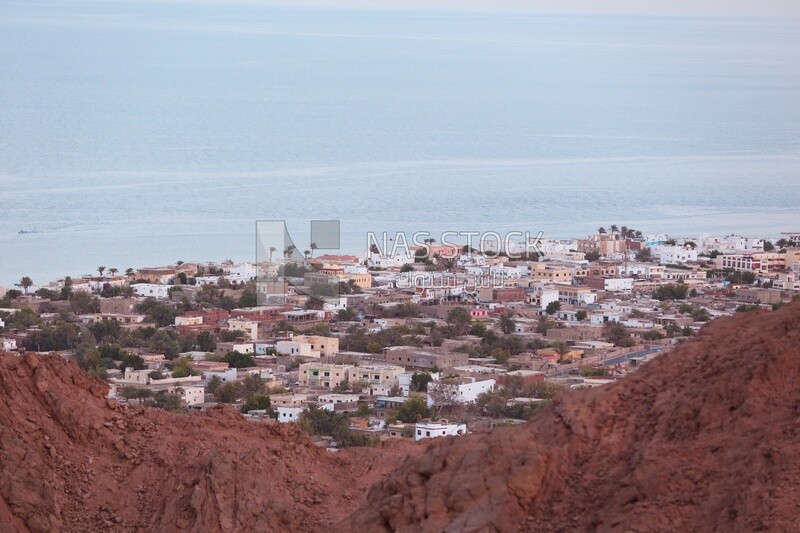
[[704, 438], [71, 461]]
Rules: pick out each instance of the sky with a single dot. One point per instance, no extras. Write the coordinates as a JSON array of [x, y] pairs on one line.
[[712, 8]]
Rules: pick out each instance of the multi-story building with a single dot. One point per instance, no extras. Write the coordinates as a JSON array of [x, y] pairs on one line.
[[151, 290], [156, 276], [375, 374], [463, 390], [674, 255], [413, 357], [754, 262], [576, 295], [118, 306], [323, 374], [308, 346]]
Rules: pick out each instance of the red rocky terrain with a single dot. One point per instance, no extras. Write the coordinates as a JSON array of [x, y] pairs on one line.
[[70, 460], [706, 437]]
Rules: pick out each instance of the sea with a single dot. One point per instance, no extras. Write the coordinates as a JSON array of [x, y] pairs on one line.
[[140, 133]]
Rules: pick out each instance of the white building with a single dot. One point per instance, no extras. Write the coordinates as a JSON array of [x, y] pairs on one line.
[[675, 255], [337, 398], [602, 318], [543, 296], [432, 430], [289, 414], [229, 374], [730, 244], [389, 261], [7, 345], [460, 390], [193, 394], [618, 284], [151, 290]]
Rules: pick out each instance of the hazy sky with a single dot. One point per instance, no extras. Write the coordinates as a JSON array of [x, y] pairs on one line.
[[737, 8]]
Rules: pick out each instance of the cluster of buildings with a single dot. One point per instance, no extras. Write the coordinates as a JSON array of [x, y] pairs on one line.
[[558, 307]]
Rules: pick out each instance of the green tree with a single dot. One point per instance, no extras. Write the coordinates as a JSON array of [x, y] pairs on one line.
[[132, 361], [460, 318], [671, 291], [507, 323], [581, 315], [206, 342], [82, 302], [413, 410], [239, 360], [228, 392], [168, 401], [617, 333], [419, 381], [213, 384], [592, 255], [182, 368], [257, 402], [644, 255], [346, 315], [161, 313], [136, 393], [26, 283], [553, 307]]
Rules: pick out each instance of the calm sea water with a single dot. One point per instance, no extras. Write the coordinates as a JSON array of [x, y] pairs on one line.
[[137, 134]]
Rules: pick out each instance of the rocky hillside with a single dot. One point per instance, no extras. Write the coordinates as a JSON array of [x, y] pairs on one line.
[[704, 438], [72, 461]]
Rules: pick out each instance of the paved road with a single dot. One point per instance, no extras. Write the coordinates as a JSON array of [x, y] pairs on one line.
[[626, 357]]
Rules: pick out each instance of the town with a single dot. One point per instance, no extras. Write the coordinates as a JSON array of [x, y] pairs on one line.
[[357, 350]]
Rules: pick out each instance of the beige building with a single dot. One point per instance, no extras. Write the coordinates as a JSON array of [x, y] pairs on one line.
[[323, 374], [754, 262], [309, 346], [375, 374], [549, 274], [411, 356]]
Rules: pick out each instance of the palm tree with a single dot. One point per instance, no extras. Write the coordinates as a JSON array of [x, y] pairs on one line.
[[313, 247], [26, 283], [638, 233], [623, 231], [601, 230], [113, 271], [614, 228], [129, 272], [101, 269], [272, 250], [307, 253]]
